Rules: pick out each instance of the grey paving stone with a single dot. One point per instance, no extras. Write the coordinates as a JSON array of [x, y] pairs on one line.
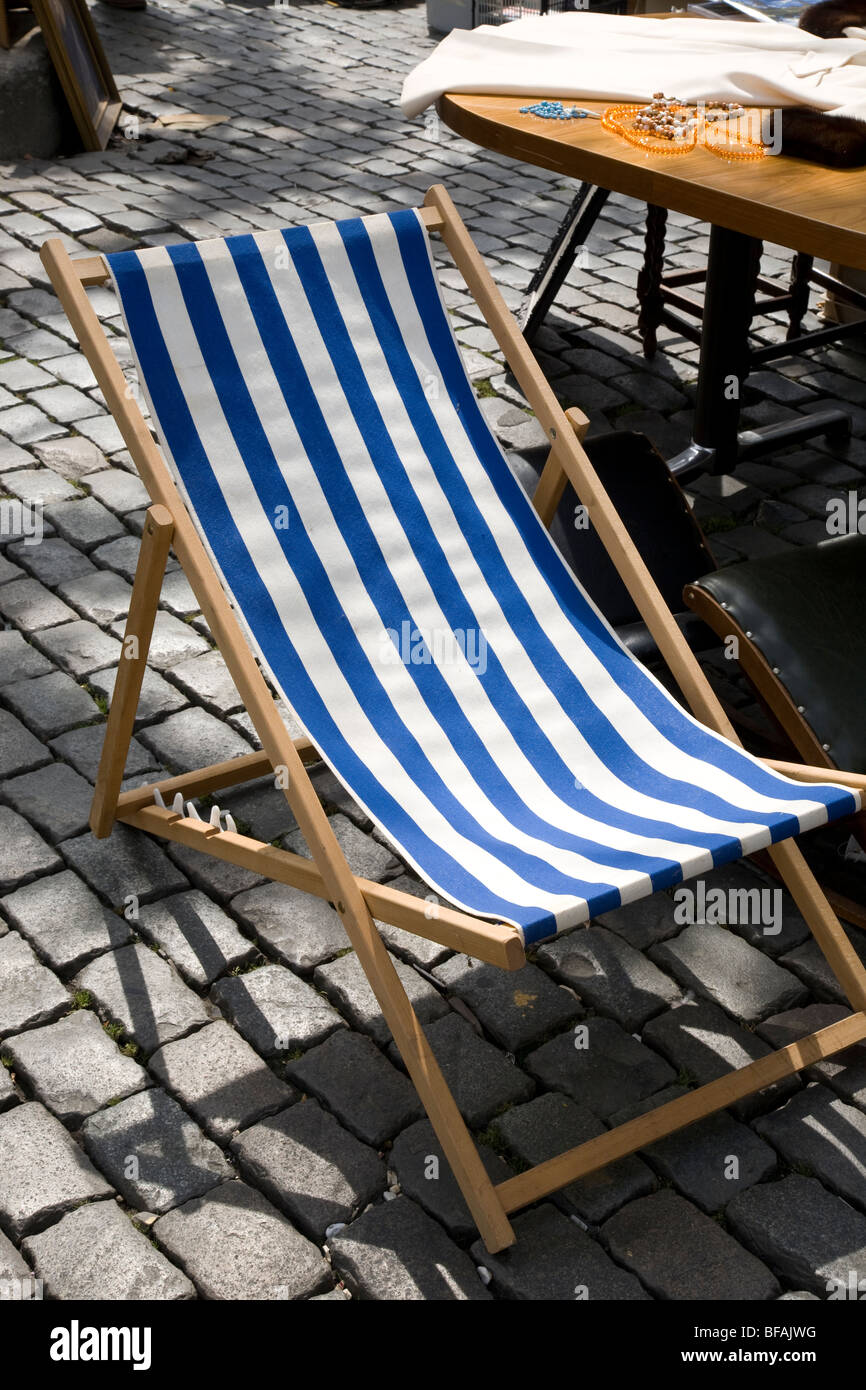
[[310, 1167], [261, 808], [275, 1011], [783, 935], [19, 750], [52, 562], [118, 490], [822, 1135], [709, 1162], [8, 571], [294, 927], [679, 1253], [600, 1066], [482, 1080], [349, 1075], [43, 1173], [192, 739], [19, 660], [64, 921], [215, 877], [72, 458], [553, 1260], [139, 990], [29, 993], [39, 485], [844, 1072], [156, 697], [54, 798], [29, 605], [219, 1079], [417, 950], [346, 985], [206, 680], [643, 923], [425, 1175], [13, 1267], [703, 1043], [810, 965], [122, 555], [366, 857], [99, 595], [84, 522], [79, 648], [82, 748], [609, 975], [552, 1124], [125, 865], [518, 1008], [199, 938], [155, 1155], [97, 1253], [809, 1237], [725, 969], [73, 1067], [49, 705], [234, 1245], [172, 641], [396, 1252]]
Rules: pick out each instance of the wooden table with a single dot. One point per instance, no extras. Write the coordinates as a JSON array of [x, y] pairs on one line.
[[804, 206]]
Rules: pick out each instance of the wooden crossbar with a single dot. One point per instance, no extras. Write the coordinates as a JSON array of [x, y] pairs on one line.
[[639, 1133], [494, 942]]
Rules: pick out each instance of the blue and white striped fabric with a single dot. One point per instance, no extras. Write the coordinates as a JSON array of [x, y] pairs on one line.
[[398, 586]]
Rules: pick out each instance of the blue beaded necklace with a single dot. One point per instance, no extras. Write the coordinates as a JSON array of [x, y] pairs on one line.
[[554, 111]]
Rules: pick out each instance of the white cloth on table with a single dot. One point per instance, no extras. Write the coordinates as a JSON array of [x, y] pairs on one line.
[[626, 58]]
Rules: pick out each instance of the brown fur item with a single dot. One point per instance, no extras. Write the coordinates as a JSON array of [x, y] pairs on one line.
[[831, 18], [838, 142]]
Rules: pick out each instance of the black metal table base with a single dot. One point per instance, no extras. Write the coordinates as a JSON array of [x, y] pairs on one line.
[[717, 445], [733, 266]]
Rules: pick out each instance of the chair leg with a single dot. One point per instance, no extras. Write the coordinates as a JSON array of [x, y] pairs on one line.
[[450, 1127], [155, 544], [649, 280], [798, 289]]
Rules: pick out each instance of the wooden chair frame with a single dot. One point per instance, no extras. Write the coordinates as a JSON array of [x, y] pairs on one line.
[[358, 902]]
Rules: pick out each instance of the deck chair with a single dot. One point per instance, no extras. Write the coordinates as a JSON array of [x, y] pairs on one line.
[[343, 513]]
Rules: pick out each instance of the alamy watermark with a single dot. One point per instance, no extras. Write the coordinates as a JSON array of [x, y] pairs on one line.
[[756, 907], [415, 646], [21, 520]]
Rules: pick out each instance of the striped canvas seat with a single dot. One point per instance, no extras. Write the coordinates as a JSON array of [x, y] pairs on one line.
[[404, 596]]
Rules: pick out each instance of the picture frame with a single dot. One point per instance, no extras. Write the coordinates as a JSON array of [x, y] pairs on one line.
[[83, 69]]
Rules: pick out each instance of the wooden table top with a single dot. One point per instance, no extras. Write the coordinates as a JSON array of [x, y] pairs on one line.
[[789, 201]]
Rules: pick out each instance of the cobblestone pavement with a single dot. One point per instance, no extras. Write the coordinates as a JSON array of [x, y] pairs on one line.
[[199, 1096]]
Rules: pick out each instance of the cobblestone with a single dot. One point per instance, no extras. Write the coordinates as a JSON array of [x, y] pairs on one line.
[[809, 1237], [43, 1173], [679, 1253], [97, 1253], [296, 928], [349, 1075], [219, 1079], [396, 1252], [155, 1155], [234, 1245], [609, 975], [346, 985], [553, 1260], [516, 1008], [137, 989], [199, 938], [310, 1167], [600, 1066], [73, 1067], [275, 1011], [29, 993], [65, 921], [823, 1135]]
